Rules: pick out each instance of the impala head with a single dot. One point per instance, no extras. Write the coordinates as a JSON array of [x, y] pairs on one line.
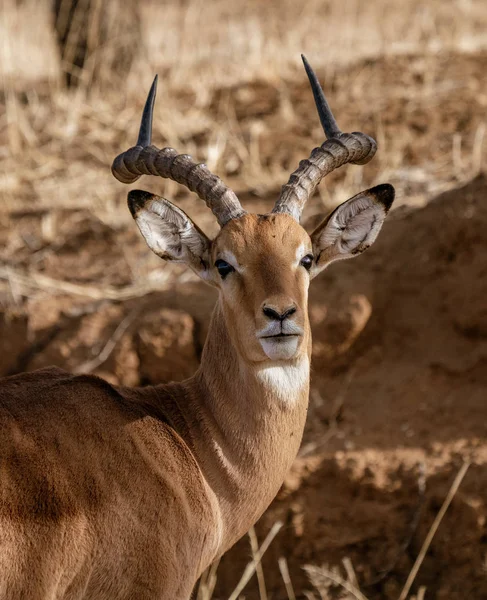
[[262, 264]]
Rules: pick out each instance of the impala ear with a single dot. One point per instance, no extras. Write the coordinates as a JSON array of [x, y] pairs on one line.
[[169, 232], [352, 227]]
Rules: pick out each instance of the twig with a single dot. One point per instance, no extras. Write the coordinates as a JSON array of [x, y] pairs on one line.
[[250, 568], [436, 523], [477, 149], [43, 282], [91, 365]]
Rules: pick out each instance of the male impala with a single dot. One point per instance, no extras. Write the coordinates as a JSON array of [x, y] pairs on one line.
[[117, 493]]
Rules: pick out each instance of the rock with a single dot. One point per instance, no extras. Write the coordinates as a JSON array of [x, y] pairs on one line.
[[336, 328], [165, 343]]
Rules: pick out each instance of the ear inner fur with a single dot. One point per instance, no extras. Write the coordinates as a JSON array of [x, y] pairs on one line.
[[353, 226], [169, 232]]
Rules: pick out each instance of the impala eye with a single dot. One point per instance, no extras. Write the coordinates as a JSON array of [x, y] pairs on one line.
[[223, 268], [307, 261]]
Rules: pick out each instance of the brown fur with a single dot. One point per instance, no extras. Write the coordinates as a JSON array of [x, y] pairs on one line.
[[113, 492], [130, 493]]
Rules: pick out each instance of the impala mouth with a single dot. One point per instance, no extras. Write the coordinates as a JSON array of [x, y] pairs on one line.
[[279, 345], [279, 335]]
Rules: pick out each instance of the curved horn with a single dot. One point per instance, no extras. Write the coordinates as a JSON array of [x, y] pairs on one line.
[[338, 149], [145, 159]]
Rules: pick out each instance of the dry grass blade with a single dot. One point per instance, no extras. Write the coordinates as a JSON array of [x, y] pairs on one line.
[[323, 576], [251, 567], [208, 582], [420, 595], [283, 568], [254, 545], [352, 577], [434, 527]]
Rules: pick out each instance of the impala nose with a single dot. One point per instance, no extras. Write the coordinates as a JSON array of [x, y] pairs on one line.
[[276, 314]]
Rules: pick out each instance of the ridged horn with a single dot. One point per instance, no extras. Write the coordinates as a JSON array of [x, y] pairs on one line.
[[145, 159], [338, 149]]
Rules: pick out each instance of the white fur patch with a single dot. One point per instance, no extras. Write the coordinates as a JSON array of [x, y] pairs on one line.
[[300, 252], [285, 381], [229, 257]]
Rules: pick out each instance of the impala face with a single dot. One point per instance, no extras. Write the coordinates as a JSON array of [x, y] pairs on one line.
[[261, 263]]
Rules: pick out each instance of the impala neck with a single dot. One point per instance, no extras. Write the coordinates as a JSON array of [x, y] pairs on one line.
[[245, 422]]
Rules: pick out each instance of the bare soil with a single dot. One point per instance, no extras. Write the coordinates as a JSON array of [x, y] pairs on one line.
[[399, 385]]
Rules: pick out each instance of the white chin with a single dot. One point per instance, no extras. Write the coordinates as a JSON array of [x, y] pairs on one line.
[[280, 348]]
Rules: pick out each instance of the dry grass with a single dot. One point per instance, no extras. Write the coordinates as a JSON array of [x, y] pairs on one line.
[[56, 146], [233, 94], [207, 45]]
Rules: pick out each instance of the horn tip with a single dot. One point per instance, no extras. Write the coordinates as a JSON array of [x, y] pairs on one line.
[[153, 88], [306, 64]]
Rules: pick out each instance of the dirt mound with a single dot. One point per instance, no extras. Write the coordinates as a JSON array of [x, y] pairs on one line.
[[399, 380], [404, 383]]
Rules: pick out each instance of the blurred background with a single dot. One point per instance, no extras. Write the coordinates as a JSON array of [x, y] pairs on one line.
[[399, 383]]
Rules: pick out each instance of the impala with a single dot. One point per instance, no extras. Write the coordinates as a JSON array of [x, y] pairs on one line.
[[130, 493]]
